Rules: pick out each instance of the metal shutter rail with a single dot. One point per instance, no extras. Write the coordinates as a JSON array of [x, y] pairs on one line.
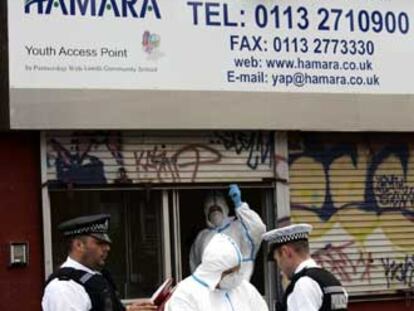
[[96, 158]]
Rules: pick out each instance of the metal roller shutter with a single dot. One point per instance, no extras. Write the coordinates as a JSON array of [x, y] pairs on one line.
[[96, 158], [357, 190]]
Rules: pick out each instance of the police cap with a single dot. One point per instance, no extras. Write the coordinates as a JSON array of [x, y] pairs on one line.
[[93, 225], [281, 236]]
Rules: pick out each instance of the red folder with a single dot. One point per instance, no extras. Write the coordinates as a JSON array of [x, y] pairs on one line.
[[161, 295]]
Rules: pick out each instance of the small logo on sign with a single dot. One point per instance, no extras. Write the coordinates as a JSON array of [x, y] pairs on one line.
[[150, 42]]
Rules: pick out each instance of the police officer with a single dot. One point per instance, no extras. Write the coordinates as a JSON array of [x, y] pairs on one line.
[[311, 287], [81, 283]]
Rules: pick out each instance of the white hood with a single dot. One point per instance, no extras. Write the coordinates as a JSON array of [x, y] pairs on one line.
[[215, 199], [221, 254]]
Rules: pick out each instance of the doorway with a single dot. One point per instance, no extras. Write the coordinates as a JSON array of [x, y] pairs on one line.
[[192, 220]]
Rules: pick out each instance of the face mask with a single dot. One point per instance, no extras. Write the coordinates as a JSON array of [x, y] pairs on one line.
[[231, 280], [216, 218]]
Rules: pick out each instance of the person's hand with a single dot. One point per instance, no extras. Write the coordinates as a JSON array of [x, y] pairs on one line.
[[141, 305], [235, 195]]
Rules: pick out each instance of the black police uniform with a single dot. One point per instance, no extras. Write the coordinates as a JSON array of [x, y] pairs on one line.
[[334, 297], [100, 287]]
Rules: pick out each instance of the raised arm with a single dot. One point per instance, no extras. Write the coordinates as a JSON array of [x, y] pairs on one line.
[[251, 224]]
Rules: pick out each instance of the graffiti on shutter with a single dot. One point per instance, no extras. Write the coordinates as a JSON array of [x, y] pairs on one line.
[[96, 158], [359, 196]]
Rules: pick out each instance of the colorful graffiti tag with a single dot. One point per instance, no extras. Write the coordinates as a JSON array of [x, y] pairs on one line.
[[360, 198]]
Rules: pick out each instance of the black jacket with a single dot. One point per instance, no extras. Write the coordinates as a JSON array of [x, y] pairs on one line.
[[334, 294], [100, 287]]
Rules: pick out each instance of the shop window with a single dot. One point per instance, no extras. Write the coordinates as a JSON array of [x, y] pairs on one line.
[[135, 259]]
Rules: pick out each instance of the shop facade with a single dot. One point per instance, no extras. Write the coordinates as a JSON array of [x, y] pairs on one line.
[[355, 190], [154, 185]]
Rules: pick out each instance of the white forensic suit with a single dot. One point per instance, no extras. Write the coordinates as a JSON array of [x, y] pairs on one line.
[[246, 229], [199, 291]]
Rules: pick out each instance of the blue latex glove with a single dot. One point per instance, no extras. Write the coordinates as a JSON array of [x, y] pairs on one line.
[[235, 195]]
